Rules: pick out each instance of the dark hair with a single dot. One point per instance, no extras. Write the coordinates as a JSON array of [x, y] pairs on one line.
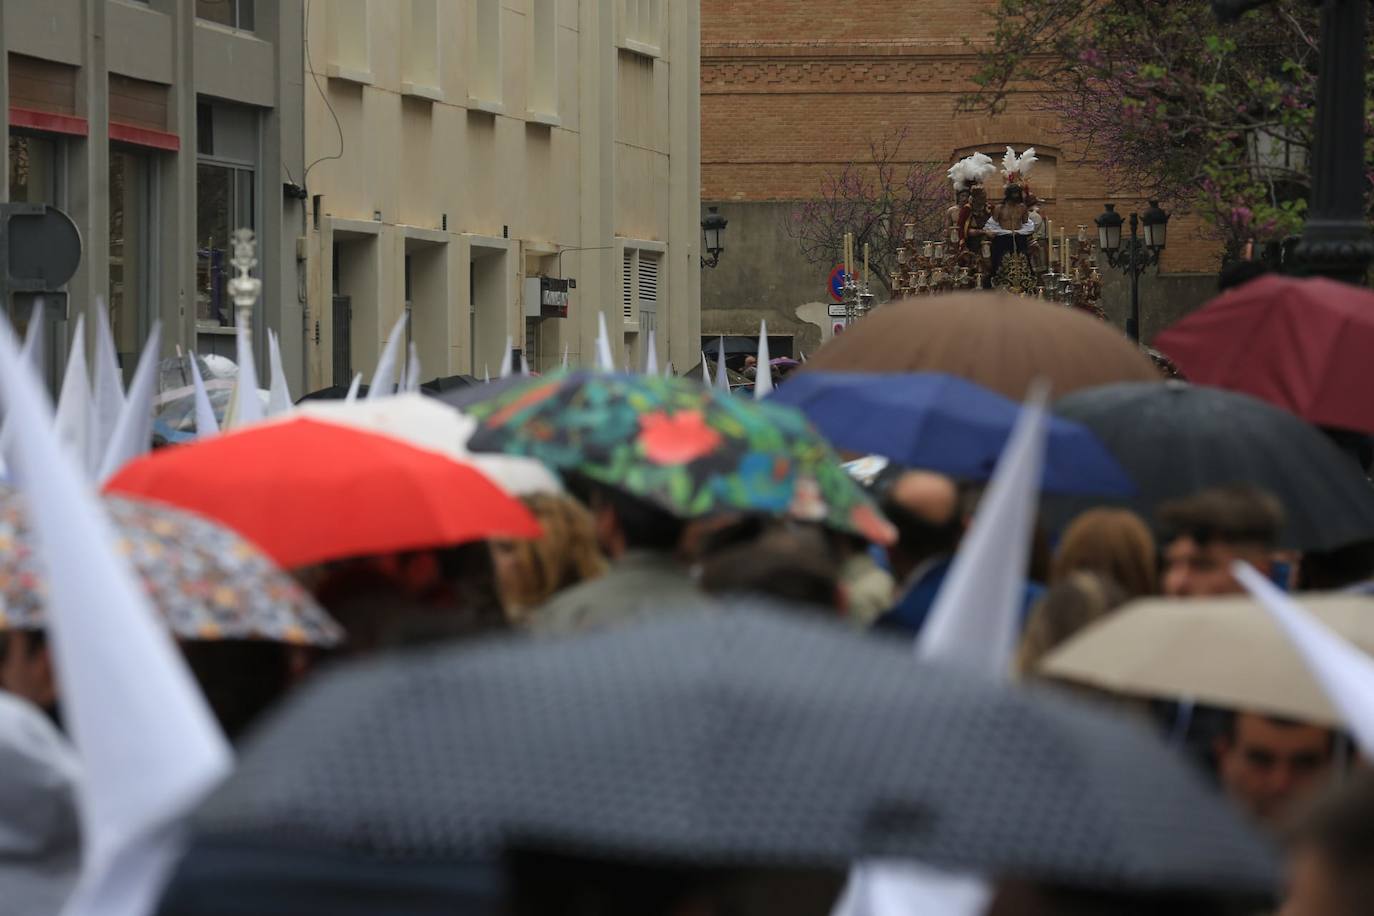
[[1340, 827], [1027, 899], [792, 564], [241, 678], [1239, 514], [1224, 722], [1239, 273], [644, 525], [433, 595], [918, 537]]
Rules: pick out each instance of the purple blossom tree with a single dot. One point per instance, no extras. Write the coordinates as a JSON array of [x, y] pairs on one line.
[[874, 200]]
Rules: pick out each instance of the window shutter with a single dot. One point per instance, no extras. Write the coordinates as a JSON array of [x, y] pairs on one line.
[[628, 291]]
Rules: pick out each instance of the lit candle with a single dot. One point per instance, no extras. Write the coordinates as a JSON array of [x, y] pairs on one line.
[[865, 264], [1064, 247]]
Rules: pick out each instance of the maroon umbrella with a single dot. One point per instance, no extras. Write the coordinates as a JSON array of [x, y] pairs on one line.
[[1304, 345]]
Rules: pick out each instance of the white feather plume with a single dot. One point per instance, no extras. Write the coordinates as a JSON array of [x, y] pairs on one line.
[[1026, 161], [1019, 166], [971, 170], [1009, 163]]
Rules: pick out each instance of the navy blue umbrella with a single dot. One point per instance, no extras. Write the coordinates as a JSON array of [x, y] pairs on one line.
[[947, 424]]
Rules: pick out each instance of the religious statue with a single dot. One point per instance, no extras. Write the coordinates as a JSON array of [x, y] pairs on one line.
[[971, 209], [1011, 226]]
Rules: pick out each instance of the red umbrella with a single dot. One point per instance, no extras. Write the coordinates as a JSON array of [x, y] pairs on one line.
[[306, 492], [1304, 345]]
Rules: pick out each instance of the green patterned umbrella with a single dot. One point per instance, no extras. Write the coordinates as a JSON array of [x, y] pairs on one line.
[[206, 581], [694, 451]]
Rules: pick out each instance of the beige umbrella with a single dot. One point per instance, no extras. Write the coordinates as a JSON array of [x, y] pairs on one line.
[[1224, 652]]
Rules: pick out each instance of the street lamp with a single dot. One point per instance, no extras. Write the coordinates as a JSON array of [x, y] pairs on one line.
[[1137, 254], [712, 229]]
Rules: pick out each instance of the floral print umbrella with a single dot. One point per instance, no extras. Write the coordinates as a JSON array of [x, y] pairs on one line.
[[207, 582], [689, 449]]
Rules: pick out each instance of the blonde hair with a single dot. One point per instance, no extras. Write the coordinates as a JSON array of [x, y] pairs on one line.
[[1069, 606], [564, 555], [1113, 543]]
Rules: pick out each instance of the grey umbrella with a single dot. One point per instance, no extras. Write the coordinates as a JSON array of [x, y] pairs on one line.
[[1175, 439], [738, 738]]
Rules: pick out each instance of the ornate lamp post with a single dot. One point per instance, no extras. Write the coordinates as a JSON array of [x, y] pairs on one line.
[[712, 230], [1138, 254], [1336, 241]]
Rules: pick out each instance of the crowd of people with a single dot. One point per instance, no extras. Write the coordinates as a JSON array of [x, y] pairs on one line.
[[613, 553]]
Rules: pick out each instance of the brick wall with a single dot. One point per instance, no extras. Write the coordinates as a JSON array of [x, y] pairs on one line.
[[793, 89]]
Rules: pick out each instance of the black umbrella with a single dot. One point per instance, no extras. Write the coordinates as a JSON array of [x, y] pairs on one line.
[[1175, 439], [742, 738], [479, 391], [450, 383], [332, 393]]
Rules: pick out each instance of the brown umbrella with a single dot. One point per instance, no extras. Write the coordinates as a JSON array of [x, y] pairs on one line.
[[1001, 342], [1226, 652]]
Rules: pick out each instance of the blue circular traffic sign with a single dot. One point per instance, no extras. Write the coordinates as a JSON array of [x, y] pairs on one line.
[[836, 283]]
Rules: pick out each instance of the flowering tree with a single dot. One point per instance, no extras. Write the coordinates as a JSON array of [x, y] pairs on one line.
[[874, 200], [1210, 116]]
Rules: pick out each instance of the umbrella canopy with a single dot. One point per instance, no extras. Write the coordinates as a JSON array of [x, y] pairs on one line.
[[450, 383], [1001, 342], [1225, 652], [306, 492], [332, 393], [1174, 439], [461, 398], [174, 405], [1301, 344], [734, 346], [732, 738], [426, 422], [206, 581], [693, 451], [946, 424]]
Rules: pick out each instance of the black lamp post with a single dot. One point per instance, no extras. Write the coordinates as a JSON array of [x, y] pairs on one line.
[[1335, 242], [1137, 254], [712, 231]]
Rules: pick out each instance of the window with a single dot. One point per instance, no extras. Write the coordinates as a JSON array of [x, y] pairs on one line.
[[484, 80], [639, 287], [35, 169], [641, 26], [226, 198], [131, 248], [349, 56], [543, 81], [421, 58], [237, 14]]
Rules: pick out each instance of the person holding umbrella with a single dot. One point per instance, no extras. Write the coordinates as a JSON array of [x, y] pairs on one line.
[[1205, 533]]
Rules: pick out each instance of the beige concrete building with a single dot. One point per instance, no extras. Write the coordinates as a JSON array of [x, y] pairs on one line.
[[459, 150], [160, 126]]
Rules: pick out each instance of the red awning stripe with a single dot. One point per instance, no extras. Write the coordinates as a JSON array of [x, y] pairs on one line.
[[47, 120], [144, 136]]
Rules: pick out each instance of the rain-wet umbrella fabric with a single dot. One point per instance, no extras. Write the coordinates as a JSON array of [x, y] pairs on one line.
[[1177, 649], [1002, 342], [332, 393], [741, 737], [462, 398], [306, 492], [692, 451], [1175, 439], [944, 423], [207, 582], [1300, 344]]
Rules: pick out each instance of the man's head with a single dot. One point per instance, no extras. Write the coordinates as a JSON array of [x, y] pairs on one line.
[[925, 509], [961, 196], [26, 668], [978, 196], [1014, 194], [625, 523], [1331, 863], [1267, 764], [1205, 533]]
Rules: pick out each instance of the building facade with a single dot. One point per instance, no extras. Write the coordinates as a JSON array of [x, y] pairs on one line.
[[792, 92], [458, 151], [159, 127]]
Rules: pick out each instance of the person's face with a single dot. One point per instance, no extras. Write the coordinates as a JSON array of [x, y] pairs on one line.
[[25, 672], [1197, 570], [1266, 766], [1311, 886], [979, 197]]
